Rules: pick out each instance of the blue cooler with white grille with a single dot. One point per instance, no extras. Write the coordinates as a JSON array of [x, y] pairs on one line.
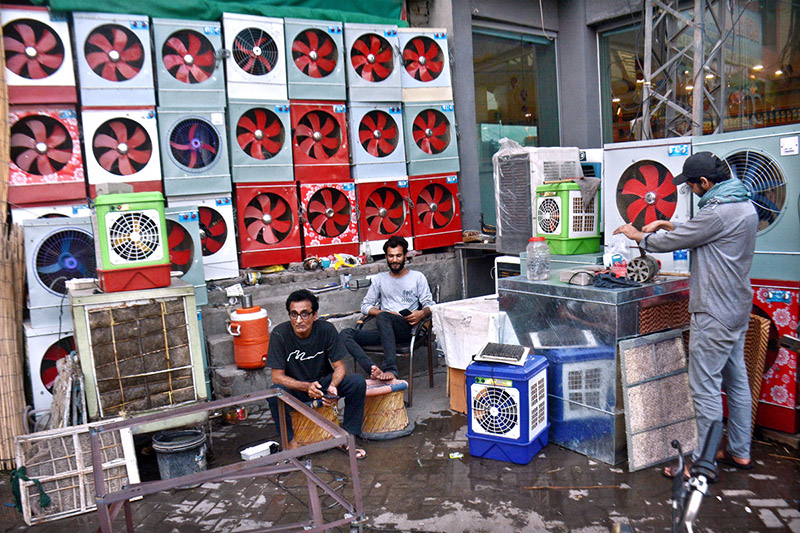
[[507, 409]]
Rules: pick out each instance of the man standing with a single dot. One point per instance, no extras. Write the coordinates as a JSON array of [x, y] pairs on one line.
[[722, 237], [307, 361], [398, 299]]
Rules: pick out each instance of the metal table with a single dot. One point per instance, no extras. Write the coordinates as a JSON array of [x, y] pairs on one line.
[[577, 328]]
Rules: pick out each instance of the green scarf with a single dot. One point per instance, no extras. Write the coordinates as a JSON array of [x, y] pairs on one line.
[[729, 191]]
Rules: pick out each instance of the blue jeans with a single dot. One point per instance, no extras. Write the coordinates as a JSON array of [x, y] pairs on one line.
[[391, 329], [716, 362], [352, 388]]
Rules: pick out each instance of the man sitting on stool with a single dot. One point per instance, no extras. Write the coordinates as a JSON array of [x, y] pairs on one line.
[[307, 360], [398, 299]]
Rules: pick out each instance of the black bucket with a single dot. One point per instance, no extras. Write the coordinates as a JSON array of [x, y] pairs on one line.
[[180, 452]]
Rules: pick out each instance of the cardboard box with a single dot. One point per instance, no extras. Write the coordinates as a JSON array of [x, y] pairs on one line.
[[457, 390]]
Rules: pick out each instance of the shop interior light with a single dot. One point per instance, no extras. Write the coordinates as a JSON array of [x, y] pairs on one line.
[[758, 67], [709, 76], [616, 100], [690, 87], [779, 72]]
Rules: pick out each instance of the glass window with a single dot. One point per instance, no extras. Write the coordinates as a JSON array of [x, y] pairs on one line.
[[760, 83], [515, 97]]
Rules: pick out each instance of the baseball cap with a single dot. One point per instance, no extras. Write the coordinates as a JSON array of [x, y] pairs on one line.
[[701, 164]]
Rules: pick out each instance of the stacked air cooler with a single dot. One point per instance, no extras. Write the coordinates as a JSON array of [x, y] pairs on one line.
[[47, 188], [376, 132], [430, 137], [767, 161], [191, 126]]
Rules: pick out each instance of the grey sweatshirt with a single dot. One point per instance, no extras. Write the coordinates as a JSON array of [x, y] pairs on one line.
[[410, 292], [722, 239]]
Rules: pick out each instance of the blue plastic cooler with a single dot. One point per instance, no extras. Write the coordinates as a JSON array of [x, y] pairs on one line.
[[507, 409]]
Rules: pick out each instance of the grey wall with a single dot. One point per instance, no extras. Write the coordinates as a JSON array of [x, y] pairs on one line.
[[579, 86]]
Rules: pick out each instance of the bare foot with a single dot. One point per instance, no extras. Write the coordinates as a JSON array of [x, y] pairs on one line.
[[386, 376], [292, 444], [375, 372]]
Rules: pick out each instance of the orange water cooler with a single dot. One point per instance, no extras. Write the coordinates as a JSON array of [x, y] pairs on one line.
[[249, 327]]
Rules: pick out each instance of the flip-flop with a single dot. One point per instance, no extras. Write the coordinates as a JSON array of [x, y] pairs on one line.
[[360, 452], [728, 460]]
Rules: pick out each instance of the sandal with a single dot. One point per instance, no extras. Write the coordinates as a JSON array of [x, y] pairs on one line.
[[360, 452], [725, 458]]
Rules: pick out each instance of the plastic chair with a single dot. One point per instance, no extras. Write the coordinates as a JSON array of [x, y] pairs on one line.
[[421, 332]]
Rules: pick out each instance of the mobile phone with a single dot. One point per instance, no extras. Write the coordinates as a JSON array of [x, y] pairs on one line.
[[404, 312], [330, 396]]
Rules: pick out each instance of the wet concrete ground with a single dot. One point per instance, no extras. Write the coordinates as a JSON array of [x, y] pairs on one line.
[[412, 484]]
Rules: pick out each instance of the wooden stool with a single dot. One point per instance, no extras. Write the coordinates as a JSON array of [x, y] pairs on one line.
[[385, 414], [306, 431]]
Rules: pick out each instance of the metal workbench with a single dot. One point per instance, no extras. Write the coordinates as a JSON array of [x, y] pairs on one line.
[[578, 328]]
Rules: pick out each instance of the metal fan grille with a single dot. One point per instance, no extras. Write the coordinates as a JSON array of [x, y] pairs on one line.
[[33, 49], [765, 181], [64, 255], [385, 211], [495, 410], [122, 146], [114, 52], [645, 193], [329, 212], [255, 51], [194, 144], [134, 236], [268, 219], [548, 215], [423, 59], [435, 206], [40, 145]]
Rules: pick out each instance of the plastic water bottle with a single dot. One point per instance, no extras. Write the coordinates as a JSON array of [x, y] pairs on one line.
[[680, 261], [538, 259]]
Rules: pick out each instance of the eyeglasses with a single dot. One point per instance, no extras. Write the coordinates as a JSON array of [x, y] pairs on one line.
[[294, 315]]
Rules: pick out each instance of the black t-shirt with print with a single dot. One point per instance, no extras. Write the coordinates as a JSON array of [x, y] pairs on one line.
[[305, 359]]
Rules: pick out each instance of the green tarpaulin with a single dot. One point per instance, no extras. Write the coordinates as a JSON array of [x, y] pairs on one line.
[[372, 11]]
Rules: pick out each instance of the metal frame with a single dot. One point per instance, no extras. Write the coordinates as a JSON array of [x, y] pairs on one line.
[[109, 504]]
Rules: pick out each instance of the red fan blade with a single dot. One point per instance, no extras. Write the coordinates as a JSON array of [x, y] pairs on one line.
[[176, 44], [381, 71], [120, 39], [318, 152], [425, 196], [105, 141], [140, 156], [389, 226], [180, 257], [383, 57], [316, 206], [438, 193], [386, 146], [125, 166], [307, 145], [326, 47], [265, 203], [120, 131], [60, 156], [175, 236], [16, 63], [132, 53], [194, 44], [47, 42], [420, 123], [269, 235], [375, 223], [207, 147], [441, 219], [327, 65], [327, 126], [13, 45], [35, 69], [273, 129], [395, 212], [650, 174], [27, 34], [313, 120], [303, 130], [39, 130], [254, 227], [427, 219], [217, 229], [666, 188], [108, 159], [331, 230], [340, 202], [300, 47], [434, 66], [419, 45], [635, 209], [365, 135], [318, 222], [138, 138], [20, 139], [313, 40], [126, 70], [331, 142], [205, 59], [368, 123], [45, 168], [282, 226], [361, 46], [100, 41], [635, 187], [650, 214], [665, 207], [424, 75], [278, 210], [25, 160], [432, 51], [438, 144], [273, 147]]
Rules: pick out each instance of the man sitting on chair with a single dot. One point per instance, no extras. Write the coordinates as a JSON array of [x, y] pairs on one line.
[[307, 361], [398, 299]]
